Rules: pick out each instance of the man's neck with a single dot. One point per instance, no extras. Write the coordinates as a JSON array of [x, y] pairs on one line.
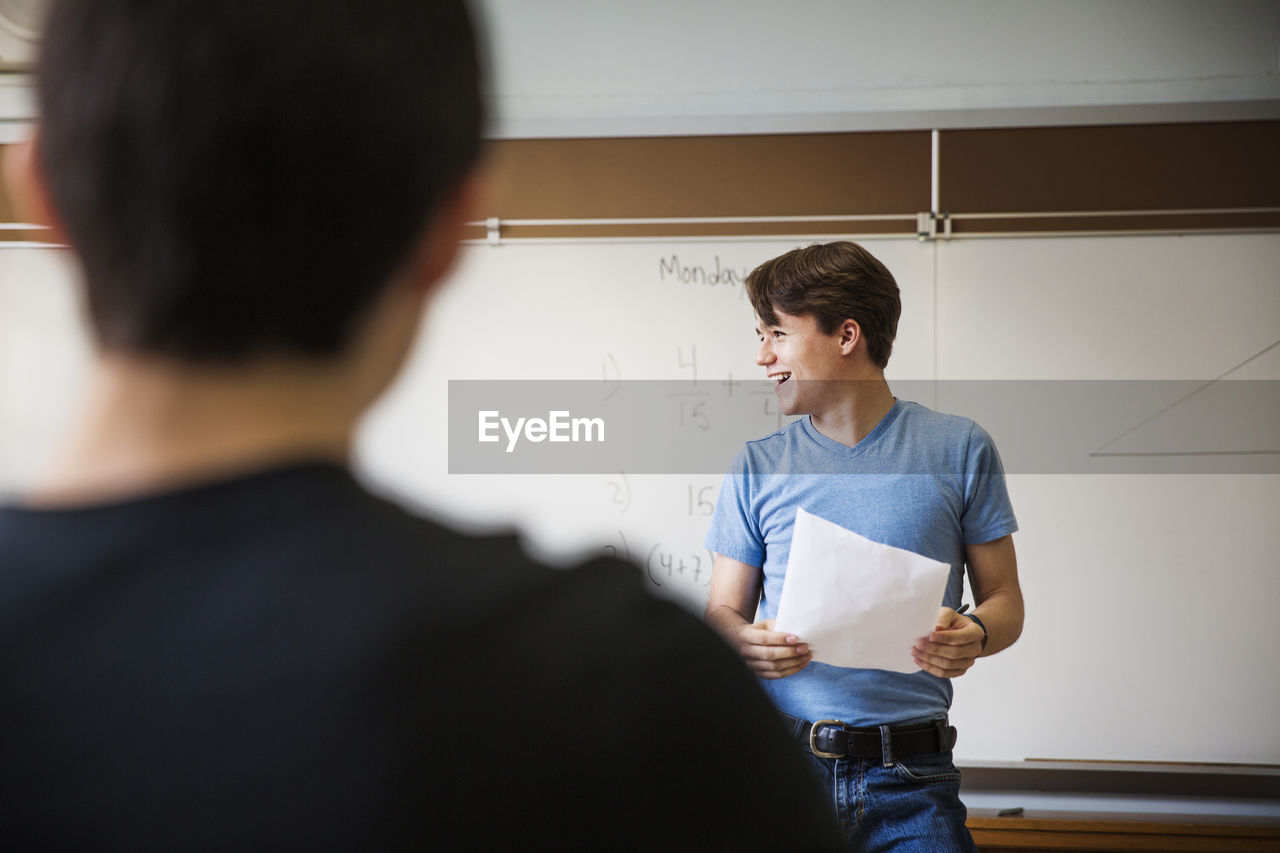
[[149, 425], [866, 402]]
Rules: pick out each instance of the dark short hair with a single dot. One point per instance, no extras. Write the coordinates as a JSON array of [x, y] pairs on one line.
[[831, 282], [245, 176]]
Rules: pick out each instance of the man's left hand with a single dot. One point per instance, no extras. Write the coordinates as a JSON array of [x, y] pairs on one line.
[[956, 642]]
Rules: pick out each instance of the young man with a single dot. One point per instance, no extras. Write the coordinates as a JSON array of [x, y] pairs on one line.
[[892, 471], [210, 636]]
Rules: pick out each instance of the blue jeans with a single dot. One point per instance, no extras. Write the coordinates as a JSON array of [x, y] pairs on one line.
[[911, 804]]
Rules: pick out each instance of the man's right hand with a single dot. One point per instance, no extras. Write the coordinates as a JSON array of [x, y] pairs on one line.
[[735, 592], [770, 653]]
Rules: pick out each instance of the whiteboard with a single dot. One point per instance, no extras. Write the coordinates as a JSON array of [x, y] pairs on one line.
[[1149, 597], [606, 312]]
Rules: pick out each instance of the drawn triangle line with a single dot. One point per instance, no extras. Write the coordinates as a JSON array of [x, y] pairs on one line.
[[1102, 451]]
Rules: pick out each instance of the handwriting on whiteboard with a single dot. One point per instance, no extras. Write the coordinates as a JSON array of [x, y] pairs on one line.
[[712, 275]]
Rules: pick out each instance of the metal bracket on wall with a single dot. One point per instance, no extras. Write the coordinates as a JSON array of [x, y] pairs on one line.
[[927, 226]]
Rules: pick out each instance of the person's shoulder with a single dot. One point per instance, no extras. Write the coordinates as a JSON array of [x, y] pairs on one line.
[[771, 446], [591, 602], [917, 417], [920, 416], [488, 566], [559, 665], [773, 439], [957, 436]]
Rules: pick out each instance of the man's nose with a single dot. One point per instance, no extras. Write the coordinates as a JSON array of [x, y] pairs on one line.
[[764, 355]]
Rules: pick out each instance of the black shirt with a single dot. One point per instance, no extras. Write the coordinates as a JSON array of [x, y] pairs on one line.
[[282, 660]]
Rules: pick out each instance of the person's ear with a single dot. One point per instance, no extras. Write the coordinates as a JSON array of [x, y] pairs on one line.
[[441, 240], [850, 334], [25, 180]]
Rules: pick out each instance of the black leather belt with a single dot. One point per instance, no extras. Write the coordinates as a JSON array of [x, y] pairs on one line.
[[833, 739]]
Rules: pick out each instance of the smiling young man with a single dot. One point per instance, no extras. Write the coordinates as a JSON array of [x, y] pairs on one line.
[[894, 472], [212, 635]]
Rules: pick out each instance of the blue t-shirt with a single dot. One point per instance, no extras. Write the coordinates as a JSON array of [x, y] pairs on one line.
[[921, 480]]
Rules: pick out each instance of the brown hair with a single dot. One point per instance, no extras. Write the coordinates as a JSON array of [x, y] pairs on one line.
[[831, 282]]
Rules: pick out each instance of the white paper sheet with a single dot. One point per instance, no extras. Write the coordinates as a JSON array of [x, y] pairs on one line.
[[857, 603]]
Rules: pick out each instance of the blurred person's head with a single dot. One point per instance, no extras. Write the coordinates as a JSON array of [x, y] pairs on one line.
[[242, 178]]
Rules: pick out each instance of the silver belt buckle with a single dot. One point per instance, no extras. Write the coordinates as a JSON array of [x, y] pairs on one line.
[[813, 738]]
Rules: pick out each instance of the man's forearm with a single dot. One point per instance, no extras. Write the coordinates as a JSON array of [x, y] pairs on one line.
[[1002, 614], [725, 621]]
